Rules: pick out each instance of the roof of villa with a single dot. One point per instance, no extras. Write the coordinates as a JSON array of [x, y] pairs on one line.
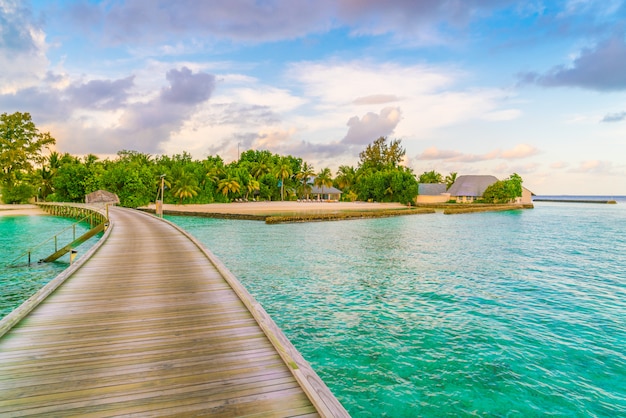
[[101, 196], [471, 185], [327, 190], [431, 189]]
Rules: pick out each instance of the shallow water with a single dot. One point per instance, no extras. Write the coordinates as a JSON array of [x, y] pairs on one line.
[[18, 235], [492, 314]]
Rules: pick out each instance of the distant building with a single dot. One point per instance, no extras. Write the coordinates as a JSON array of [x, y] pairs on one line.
[[325, 193], [102, 196], [467, 189], [432, 193]]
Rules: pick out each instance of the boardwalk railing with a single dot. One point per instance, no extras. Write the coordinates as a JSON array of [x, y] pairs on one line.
[[31, 303], [96, 217]]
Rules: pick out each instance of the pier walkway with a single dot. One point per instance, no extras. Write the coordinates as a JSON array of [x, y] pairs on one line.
[[153, 325]]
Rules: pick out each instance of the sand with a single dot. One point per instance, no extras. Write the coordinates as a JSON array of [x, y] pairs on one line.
[[22, 210], [270, 208]]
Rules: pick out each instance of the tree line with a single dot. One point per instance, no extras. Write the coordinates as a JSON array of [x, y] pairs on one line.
[[30, 170]]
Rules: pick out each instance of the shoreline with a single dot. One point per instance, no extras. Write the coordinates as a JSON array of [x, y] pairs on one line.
[[288, 212], [21, 210]]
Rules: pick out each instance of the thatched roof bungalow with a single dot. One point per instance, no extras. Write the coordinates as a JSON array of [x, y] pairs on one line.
[[102, 196]]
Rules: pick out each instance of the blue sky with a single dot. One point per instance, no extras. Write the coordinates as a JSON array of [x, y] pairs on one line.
[[472, 86]]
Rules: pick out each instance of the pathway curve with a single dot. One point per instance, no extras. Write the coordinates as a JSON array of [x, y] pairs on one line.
[[148, 326]]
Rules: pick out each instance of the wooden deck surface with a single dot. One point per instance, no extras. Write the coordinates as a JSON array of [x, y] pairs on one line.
[[149, 326]]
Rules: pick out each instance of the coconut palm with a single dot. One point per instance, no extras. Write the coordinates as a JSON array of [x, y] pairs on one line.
[[229, 185], [260, 168], [186, 186], [252, 186], [346, 176], [305, 173], [450, 179], [324, 179], [430, 177], [283, 171], [214, 170]]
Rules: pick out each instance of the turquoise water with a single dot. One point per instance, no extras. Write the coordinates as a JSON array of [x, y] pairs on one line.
[[18, 234], [493, 314]]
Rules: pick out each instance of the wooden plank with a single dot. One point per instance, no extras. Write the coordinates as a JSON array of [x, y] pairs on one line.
[[149, 325]]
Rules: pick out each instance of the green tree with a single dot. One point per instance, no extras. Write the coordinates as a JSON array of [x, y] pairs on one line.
[[382, 154], [21, 148], [450, 179], [229, 185], [504, 191], [304, 175], [283, 171], [430, 177], [346, 176], [323, 179], [185, 187]]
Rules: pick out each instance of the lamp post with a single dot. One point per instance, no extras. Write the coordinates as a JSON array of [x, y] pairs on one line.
[[159, 203]]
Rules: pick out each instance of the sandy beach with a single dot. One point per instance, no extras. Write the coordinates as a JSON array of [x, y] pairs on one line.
[[273, 208], [26, 210]]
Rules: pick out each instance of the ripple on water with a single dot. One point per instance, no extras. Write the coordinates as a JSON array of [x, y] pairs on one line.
[[494, 314]]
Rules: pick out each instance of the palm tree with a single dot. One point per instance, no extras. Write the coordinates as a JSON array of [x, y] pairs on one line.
[[346, 176], [260, 168], [430, 177], [306, 172], [324, 178], [214, 171], [186, 186], [252, 186], [450, 179], [228, 185], [283, 171]]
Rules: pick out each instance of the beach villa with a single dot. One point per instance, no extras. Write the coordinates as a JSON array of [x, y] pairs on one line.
[[326, 193], [432, 193], [467, 189]]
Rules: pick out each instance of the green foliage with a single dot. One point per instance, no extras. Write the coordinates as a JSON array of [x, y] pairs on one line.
[[430, 177], [450, 179], [380, 154], [397, 185], [504, 191], [136, 177], [21, 147], [379, 177]]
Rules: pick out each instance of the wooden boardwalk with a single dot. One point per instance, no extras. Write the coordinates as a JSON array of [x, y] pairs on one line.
[[153, 325]]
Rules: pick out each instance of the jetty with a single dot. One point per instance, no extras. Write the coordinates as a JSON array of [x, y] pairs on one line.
[[601, 201], [151, 323]]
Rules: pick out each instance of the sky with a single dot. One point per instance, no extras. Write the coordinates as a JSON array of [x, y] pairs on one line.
[[494, 87]]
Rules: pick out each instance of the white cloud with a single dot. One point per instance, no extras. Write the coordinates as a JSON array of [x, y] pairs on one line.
[[502, 115]]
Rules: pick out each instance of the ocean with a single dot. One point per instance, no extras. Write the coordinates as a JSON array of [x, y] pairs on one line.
[[518, 313], [20, 234]]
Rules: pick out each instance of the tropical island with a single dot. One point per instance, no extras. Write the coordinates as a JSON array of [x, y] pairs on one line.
[[34, 172]]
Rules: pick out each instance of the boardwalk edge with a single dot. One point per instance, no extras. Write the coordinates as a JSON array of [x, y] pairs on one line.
[[318, 393]]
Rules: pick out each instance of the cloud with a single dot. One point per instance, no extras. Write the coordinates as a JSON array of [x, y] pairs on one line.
[[100, 94], [520, 151], [143, 21], [559, 164], [22, 47], [371, 126], [103, 116], [17, 30], [187, 88], [614, 117], [601, 68], [595, 167], [502, 115], [433, 153], [376, 99]]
